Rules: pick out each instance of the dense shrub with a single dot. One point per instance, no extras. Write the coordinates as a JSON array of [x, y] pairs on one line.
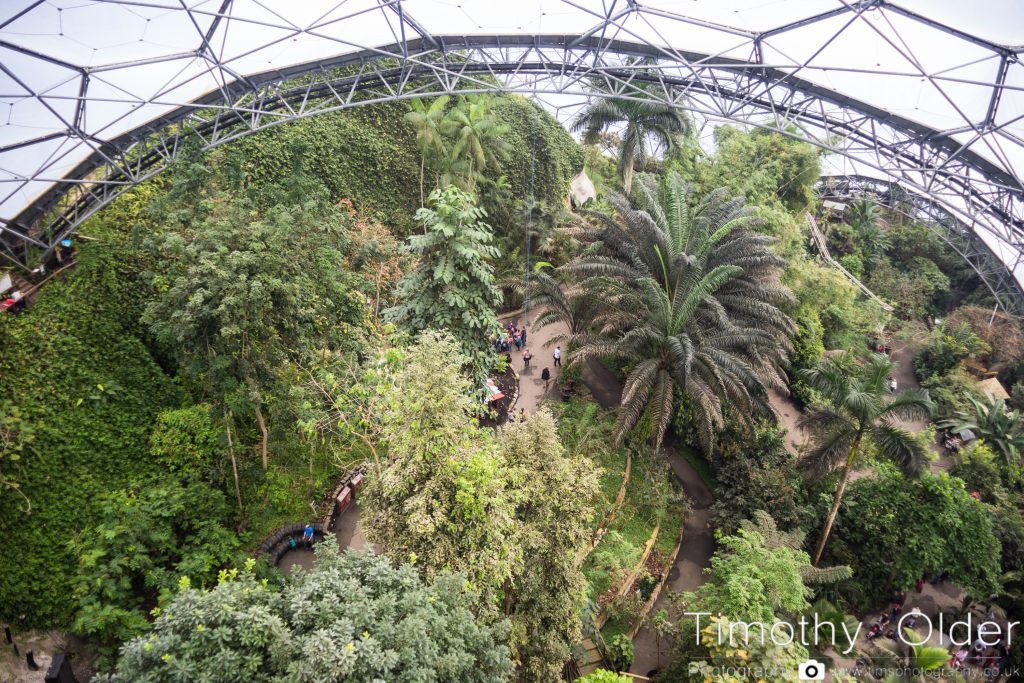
[[147, 538], [946, 347], [892, 530], [187, 442], [354, 618], [754, 472], [808, 350]]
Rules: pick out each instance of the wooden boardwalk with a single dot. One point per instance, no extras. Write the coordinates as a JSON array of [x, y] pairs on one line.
[[822, 246]]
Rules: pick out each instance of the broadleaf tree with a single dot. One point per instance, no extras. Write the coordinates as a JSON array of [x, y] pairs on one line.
[[355, 618], [453, 285], [553, 490], [248, 290], [443, 498]]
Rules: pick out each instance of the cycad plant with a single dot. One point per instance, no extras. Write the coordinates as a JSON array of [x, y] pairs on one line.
[[559, 302], [689, 302], [989, 419], [859, 414], [644, 121]]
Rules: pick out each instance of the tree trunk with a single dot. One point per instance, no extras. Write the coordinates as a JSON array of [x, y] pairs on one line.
[[264, 436], [836, 500], [234, 470], [627, 177]]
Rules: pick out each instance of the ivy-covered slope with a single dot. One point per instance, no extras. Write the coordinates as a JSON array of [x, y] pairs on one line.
[[90, 391]]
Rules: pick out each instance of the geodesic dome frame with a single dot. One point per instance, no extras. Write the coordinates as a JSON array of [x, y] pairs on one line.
[[82, 126]]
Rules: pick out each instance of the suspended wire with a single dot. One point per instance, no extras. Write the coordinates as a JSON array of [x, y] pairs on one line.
[[529, 225]]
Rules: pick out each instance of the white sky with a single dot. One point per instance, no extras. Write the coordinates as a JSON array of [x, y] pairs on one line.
[[881, 58]]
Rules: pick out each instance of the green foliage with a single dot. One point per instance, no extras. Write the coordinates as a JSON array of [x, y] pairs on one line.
[[751, 581], [845, 319], [977, 466], [950, 392], [367, 154], [857, 418], [602, 676], [718, 656], [854, 264], [452, 287], [354, 618], [808, 351], [865, 218], [187, 442], [914, 527], [554, 158], [913, 289], [764, 166], [147, 537], [620, 648], [990, 419], [691, 302], [554, 489], [81, 333], [755, 471], [442, 499], [16, 433], [247, 292], [478, 141]]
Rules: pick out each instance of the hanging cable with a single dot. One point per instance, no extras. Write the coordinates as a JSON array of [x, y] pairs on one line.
[[529, 227]]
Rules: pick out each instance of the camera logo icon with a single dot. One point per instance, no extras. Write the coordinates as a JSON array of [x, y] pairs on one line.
[[811, 670]]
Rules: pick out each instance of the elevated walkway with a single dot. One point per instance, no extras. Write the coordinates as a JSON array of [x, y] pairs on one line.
[[822, 246]]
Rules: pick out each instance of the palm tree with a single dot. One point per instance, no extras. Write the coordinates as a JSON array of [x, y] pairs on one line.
[[865, 218], [991, 420], [559, 301], [860, 414], [689, 301], [479, 138], [644, 121], [429, 122]]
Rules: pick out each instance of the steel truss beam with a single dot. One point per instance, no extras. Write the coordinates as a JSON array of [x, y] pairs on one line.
[[930, 213], [965, 185]]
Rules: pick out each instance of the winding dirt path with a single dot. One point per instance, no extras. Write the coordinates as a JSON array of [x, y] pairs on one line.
[[698, 545], [687, 574]]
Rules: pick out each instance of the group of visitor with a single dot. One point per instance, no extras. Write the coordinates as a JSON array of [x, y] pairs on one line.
[[514, 337], [878, 346], [511, 336], [306, 540], [994, 659]]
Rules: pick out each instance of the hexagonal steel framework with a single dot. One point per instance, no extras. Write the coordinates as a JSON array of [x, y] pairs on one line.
[[101, 123]]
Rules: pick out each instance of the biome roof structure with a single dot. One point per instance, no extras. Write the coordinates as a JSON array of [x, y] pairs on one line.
[[924, 94]]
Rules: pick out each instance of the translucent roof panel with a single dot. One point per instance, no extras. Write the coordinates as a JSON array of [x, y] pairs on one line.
[[929, 92]]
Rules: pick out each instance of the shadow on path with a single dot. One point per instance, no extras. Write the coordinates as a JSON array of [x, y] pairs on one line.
[[347, 534], [687, 574]]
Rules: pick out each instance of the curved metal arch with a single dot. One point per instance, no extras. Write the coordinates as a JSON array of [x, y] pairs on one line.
[[966, 185], [989, 269]]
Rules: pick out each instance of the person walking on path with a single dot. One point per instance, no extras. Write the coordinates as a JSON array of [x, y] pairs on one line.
[[558, 356], [522, 333], [546, 376], [526, 358]]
